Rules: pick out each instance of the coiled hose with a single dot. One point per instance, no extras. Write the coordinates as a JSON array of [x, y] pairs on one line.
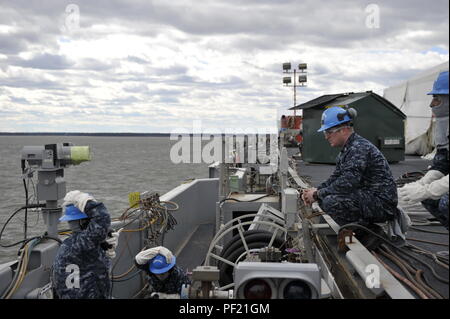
[[234, 248]]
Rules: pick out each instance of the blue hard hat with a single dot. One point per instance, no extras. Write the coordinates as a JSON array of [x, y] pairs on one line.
[[72, 213], [158, 264], [440, 86], [334, 116]]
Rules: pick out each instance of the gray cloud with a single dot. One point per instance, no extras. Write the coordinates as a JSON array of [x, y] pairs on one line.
[[19, 100], [168, 99], [9, 45], [136, 88], [253, 38], [339, 23], [29, 83], [46, 61], [305, 18], [137, 60], [95, 65], [128, 100]]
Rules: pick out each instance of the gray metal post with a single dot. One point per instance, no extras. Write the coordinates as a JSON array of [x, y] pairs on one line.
[[295, 90], [223, 185], [284, 165], [51, 187], [51, 214]]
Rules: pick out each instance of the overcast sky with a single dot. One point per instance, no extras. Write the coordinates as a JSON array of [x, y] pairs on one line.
[[158, 66]]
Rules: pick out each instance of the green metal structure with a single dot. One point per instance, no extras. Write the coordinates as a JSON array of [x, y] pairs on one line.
[[378, 120]]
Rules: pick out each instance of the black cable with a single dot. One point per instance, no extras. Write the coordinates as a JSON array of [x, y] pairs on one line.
[[52, 238], [26, 241], [236, 241], [25, 222], [45, 236], [260, 241], [25, 225], [427, 254], [133, 220], [244, 201], [9, 219], [429, 231]]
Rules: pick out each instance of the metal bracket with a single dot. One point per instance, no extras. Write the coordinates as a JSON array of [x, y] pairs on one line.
[[343, 234]]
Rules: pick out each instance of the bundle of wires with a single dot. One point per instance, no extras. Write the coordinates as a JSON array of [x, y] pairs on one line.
[[26, 179], [405, 255], [10, 218], [21, 269], [155, 212], [157, 218], [28, 244]]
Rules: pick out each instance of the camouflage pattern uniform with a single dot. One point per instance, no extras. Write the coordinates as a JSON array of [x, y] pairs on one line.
[[171, 285], [361, 188], [439, 208], [83, 250]]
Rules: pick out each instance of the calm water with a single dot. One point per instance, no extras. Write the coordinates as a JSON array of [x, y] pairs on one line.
[[119, 165]]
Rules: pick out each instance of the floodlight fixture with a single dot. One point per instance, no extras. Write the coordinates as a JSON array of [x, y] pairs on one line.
[[287, 80], [302, 66], [286, 66]]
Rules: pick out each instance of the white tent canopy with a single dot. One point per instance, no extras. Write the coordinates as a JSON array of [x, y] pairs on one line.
[[411, 97]]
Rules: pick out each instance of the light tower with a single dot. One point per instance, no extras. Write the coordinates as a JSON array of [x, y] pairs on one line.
[[302, 78]]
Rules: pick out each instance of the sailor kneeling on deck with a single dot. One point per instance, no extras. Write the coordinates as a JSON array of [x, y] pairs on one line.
[[165, 278], [362, 188]]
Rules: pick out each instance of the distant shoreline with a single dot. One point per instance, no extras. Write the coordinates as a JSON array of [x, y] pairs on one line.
[[84, 134], [106, 134]]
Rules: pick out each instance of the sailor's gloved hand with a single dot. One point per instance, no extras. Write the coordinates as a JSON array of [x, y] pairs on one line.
[[416, 192], [144, 256], [412, 193], [430, 176], [78, 199], [113, 241]]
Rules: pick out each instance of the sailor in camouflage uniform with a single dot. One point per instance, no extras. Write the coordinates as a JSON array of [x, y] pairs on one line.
[[432, 189], [361, 188], [163, 275], [81, 267]]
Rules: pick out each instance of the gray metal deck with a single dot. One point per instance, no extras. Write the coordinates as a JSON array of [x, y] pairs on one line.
[[194, 252]]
